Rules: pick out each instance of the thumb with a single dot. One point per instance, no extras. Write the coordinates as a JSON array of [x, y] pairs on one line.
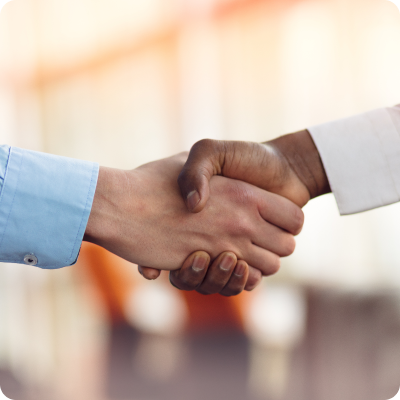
[[205, 160]]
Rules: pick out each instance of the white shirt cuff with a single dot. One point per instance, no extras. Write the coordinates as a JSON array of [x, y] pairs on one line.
[[361, 156]]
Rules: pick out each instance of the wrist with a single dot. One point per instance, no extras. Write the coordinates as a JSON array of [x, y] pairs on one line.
[[304, 160], [101, 224]]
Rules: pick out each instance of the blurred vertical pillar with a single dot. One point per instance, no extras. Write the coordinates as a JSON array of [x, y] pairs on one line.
[[200, 74]]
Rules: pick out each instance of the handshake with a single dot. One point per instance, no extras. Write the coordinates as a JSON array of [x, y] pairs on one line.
[[219, 218]]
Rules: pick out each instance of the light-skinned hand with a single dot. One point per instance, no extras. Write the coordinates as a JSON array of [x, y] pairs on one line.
[[140, 216]]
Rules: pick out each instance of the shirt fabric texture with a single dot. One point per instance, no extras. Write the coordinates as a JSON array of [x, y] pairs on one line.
[[361, 157], [45, 203]]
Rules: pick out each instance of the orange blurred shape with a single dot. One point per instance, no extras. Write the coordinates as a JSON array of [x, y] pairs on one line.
[[110, 275], [114, 280], [215, 312]]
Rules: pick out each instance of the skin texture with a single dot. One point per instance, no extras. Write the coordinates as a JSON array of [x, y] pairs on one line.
[[140, 216], [289, 166]]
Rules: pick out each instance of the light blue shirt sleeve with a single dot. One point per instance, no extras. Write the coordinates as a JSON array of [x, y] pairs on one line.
[[45, 203]]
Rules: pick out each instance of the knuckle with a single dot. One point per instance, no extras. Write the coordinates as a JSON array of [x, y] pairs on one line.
[[216, 283], [231, 291], [254, 279], [205, 292], [184, 282], [298, 220], [252, 285], [289, 246], [243, 226], [273, 265], [204, 146], [241, 193], [189, 281], [174, 282]]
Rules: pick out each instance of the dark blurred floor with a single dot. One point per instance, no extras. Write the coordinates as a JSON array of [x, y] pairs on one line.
[[352, 348], [214, 366], [10, 385], [351, 352], [14, 390]]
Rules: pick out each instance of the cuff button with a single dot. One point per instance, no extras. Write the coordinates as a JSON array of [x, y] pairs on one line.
[[30, 259]]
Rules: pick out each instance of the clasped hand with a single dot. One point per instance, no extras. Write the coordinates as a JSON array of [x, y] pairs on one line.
[[242, 230]]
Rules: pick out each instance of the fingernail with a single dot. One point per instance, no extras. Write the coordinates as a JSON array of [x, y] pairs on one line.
[[227, 263], [193, 199], [199, 263], [240, 269]]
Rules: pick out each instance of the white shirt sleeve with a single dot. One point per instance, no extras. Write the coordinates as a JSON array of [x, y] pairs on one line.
[[361, 156]]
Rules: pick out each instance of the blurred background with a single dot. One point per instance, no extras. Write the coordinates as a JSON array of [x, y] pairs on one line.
[[124, 82]]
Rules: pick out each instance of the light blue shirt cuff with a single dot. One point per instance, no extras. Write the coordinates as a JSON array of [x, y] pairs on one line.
[[45, 203], [4, 154]]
